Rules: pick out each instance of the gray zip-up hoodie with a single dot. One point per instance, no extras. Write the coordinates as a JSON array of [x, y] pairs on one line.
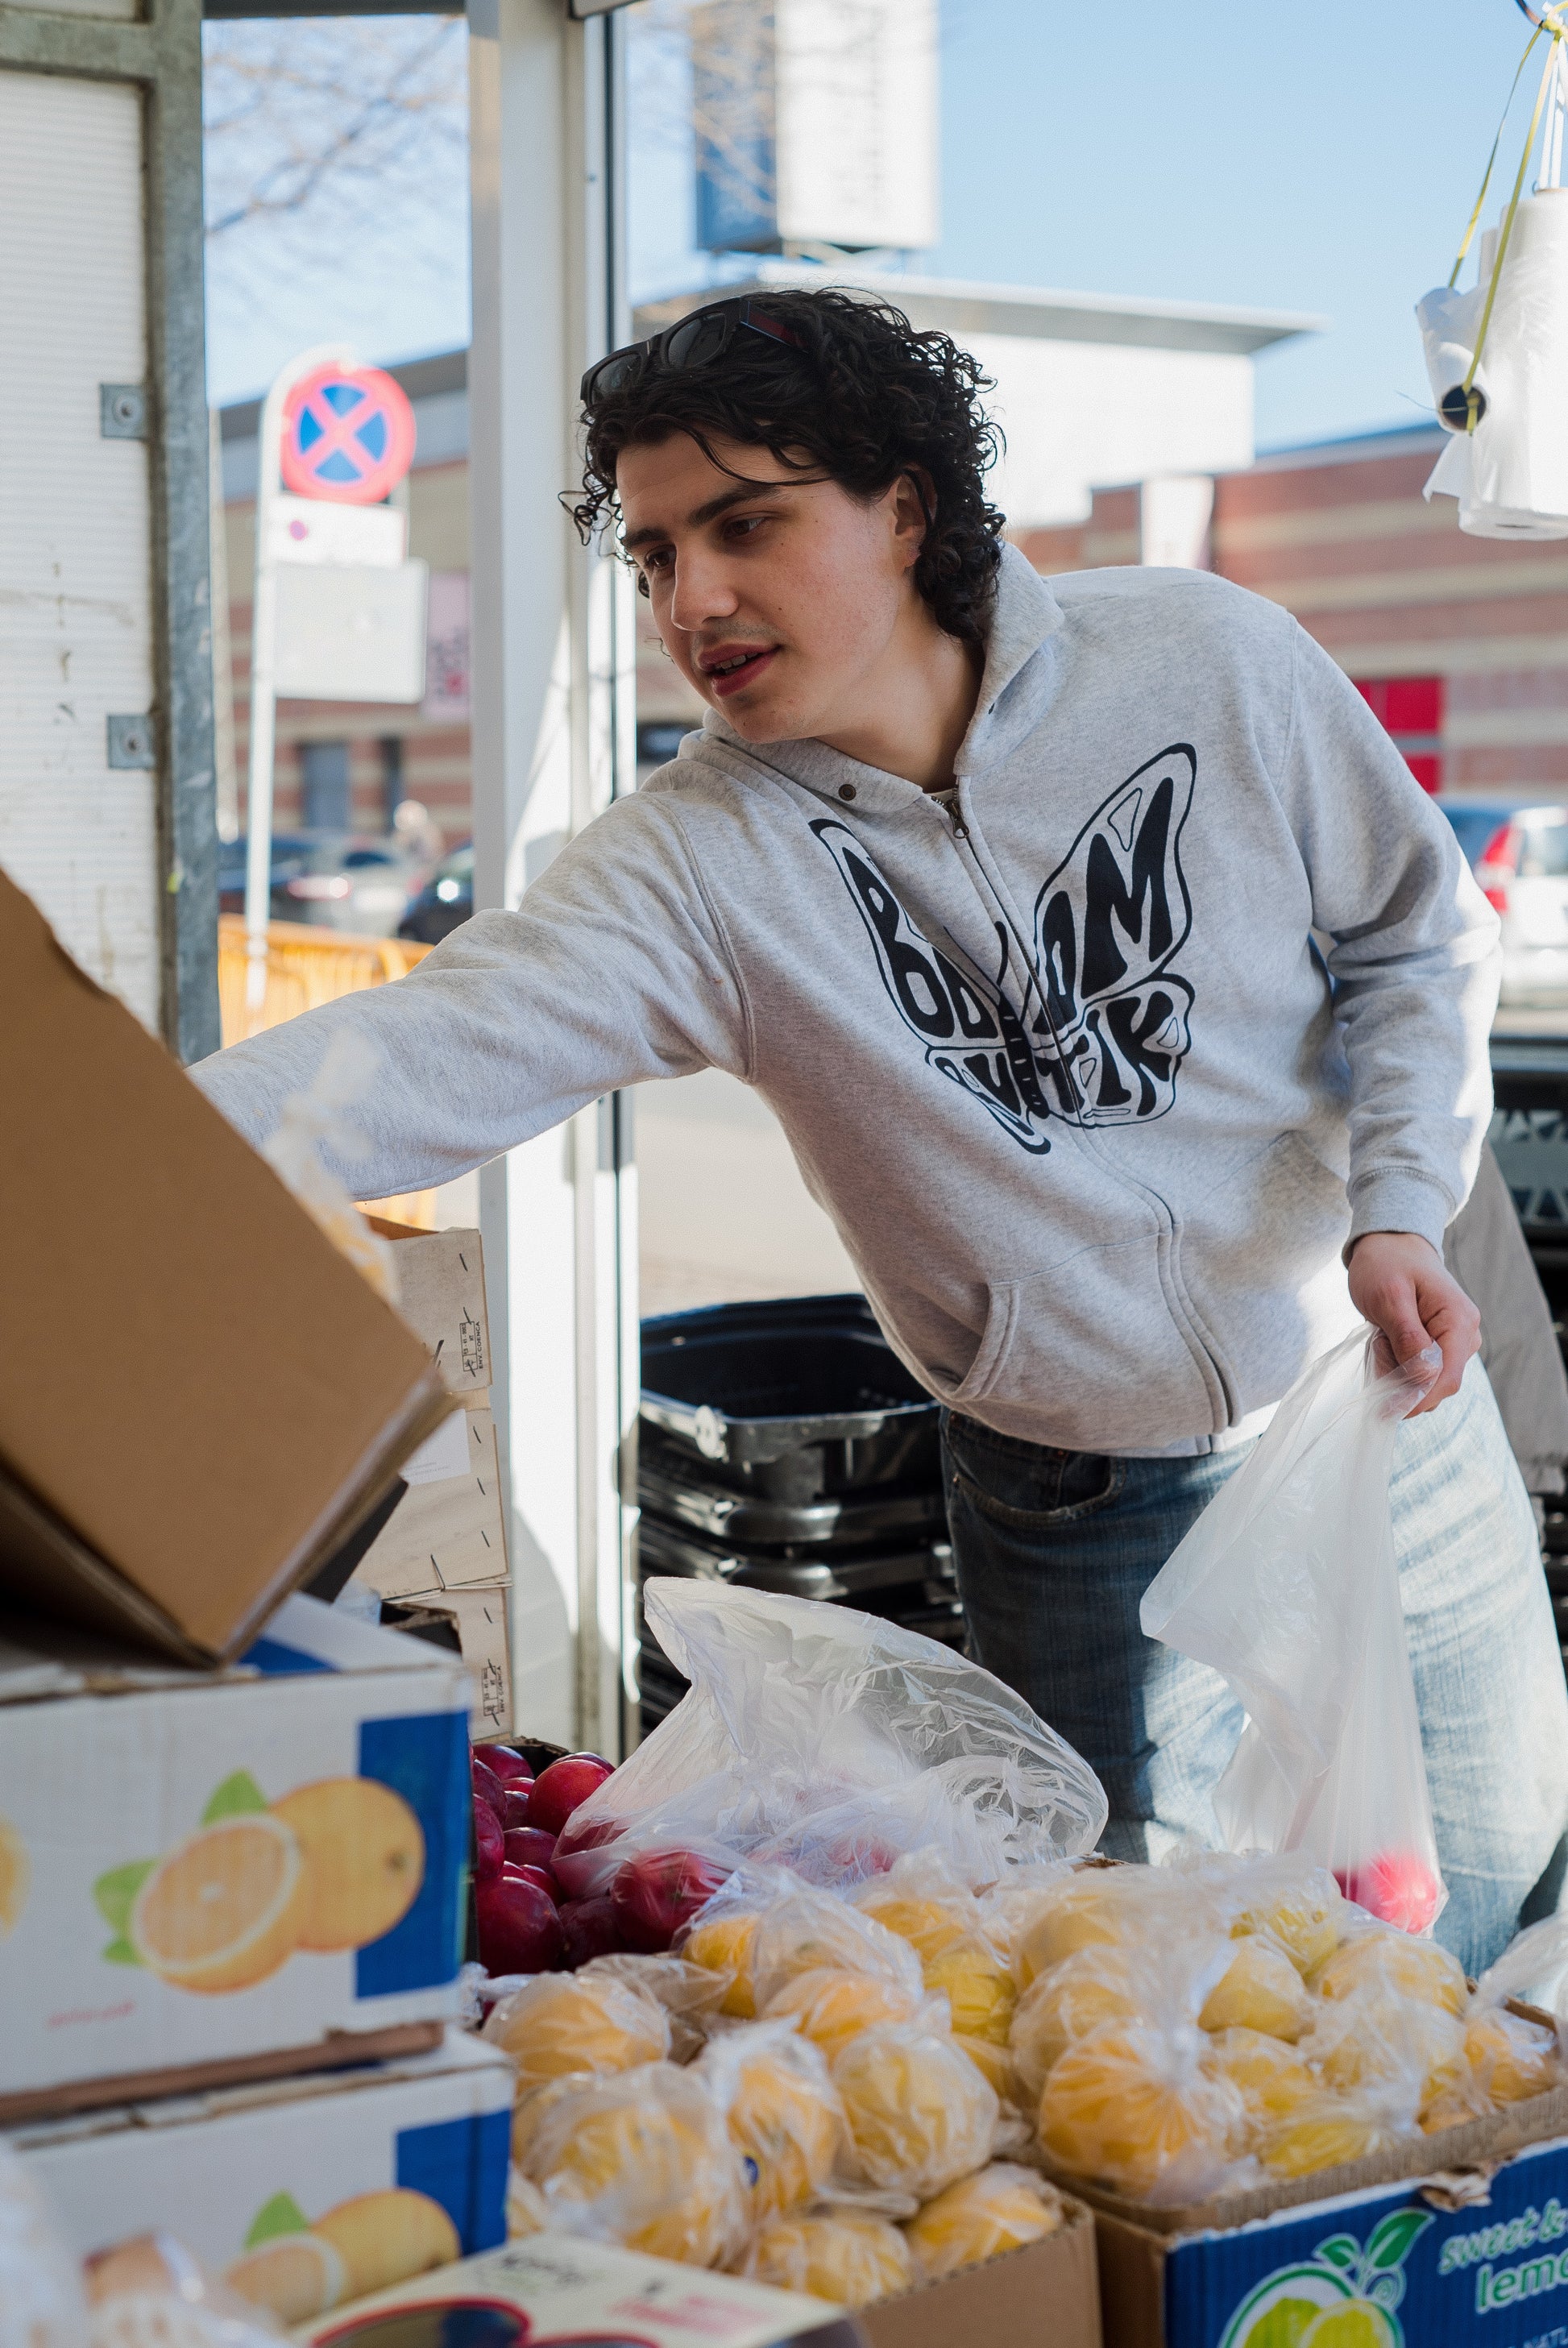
[[1063, 1061]]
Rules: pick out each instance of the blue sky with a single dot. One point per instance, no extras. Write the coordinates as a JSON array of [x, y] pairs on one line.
[[1320, 159]]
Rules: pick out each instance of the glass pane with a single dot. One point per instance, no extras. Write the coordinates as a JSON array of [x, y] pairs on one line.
[[1544, 855]]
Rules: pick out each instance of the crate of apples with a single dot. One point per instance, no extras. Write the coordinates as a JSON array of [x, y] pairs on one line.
[[526, 1921]]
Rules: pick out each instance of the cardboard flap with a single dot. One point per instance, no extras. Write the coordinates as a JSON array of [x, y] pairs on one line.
[[199, 1397]]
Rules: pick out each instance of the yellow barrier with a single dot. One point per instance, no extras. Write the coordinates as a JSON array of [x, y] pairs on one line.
[[306, 966]]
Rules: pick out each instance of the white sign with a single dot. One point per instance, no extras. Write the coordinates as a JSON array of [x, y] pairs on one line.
[[308, 530], [351, 631]]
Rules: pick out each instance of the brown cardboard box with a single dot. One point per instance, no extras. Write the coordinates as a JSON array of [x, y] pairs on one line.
[[199, 1399], [1044, 2296], [476, 1622], [441, 1295], [449, 1534]]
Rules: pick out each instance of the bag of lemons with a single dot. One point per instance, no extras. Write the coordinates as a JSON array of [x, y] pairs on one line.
[[783, 2111], [921, 2115], [644, 2158], [1134, 2106], [559, 2024], [921, 1899], [998, 2208], [845, 2256]]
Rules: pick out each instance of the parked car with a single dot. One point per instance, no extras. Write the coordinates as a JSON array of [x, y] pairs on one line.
[[446, 901], [1519, 855], [337, 881]]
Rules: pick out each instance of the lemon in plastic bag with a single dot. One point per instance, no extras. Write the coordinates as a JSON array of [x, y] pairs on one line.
[[1094, 1985], [921, 1902], [1270, 2077], [1299, 1907], [1259, 1990], [919, 2112], [843, 2255], [830, 2007], [722, 1944], [1402, 1968], [1094, 1906], [1322, 2133], [558, 2024], [998, 2208], [995, 2065], [642, 2158], [807, 1931], [1132, 2106], [782, 2110], [1510, 2057]]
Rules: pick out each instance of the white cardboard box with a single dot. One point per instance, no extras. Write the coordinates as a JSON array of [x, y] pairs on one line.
[[202, 1867], [304, 2192]]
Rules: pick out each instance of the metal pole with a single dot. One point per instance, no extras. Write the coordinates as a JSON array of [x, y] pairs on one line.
[[263, 668]]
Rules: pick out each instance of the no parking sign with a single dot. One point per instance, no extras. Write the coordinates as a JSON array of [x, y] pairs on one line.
[[348, 435]]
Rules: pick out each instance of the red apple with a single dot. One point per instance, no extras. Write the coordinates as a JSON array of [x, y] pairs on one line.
[[526, 1846], [489, 1843], [655, 1893], [488, 1788], [1397, 1886], [591, 1929], [519, 1930], [577, 1861], [503, 1763], [539, 1875], [517, 1798], [563, 1787]]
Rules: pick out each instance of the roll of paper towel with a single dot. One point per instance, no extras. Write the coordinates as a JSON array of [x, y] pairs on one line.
[[1511, 474]]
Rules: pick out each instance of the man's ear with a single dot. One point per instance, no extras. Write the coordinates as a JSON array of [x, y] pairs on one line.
[[913, 510]]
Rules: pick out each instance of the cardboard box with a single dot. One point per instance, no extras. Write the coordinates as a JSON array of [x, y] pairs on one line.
[[172, 1842], [303, 2193], [448, 1530], [563, 2289], [1046, 2295], [441, 1295], [199, 1399], [475, 1621], [1428, 2244]]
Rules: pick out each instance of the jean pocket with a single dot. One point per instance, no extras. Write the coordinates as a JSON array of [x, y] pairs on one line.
[[1032, 1495]]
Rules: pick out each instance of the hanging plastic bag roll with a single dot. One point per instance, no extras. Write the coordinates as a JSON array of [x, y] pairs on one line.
[[1511, 474], [1288, 1585]]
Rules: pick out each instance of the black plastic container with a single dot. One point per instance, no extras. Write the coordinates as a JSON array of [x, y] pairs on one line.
[[681, 1491], [796, 1399]]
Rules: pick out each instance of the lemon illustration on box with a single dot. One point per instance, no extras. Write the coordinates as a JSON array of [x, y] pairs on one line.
[[330, 1866], [299, 2269], [1345, 2296]]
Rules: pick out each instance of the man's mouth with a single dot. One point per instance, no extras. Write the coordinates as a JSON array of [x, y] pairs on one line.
[[733, 666]]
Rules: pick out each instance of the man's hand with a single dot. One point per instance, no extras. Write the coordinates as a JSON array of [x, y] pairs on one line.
[[1400, 1283]]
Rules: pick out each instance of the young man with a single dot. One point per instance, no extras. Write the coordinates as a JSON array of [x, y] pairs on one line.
[[1124, 1001]]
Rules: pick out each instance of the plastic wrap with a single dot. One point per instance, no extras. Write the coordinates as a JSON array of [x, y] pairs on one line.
[[920, 1900], [1133, 2105], [1094, 1906], [830, 2007], [41, 2303], [830, 1742], [1400, 1969], [784, 2113], [846, 2257], [1064, 2004], [558, 2025], [690, 1995], [921, 2115], [999, 2209], [644, 2158], [1272, 2079], [1330, 2129], [1259, 1989], [152, 2293], [1288, 1585]]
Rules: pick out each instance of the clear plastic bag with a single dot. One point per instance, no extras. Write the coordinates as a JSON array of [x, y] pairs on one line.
[[1508, 2056], [850, 2258], [558, 2024], [1287, 1585], [41, 2303], [998, 2208], [150, 2293], [691, 1995], [830, 1742], [644, 2158], [921, 2115], [785, 2116], [1135, 2106], [923, 1901]]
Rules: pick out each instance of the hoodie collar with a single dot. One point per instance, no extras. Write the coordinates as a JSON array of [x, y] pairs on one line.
[[1026, 615]]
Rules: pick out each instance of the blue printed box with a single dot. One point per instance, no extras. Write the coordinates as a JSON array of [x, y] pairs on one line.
[[261, 1866], [305, 2193], [1474, 2250]]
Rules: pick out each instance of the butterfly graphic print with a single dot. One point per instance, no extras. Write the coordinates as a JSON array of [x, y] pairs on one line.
[[1094, 1026]]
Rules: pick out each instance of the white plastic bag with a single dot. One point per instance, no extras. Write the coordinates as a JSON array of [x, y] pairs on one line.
[[1288, 1585], [830, 1742]]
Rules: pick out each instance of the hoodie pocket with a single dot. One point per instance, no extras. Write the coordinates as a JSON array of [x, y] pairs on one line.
[[1260, 1258], [1085, 1355]]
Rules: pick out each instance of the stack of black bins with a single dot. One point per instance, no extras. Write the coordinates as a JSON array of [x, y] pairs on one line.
[[1530, 1136], [784, 1445]]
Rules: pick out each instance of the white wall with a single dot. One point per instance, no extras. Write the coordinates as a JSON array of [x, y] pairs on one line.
[[1082, 416]]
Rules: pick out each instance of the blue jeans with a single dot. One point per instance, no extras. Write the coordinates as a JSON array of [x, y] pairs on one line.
[[1055, 1549]]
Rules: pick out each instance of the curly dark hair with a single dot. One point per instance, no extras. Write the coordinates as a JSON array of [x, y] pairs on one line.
[[860, 398]]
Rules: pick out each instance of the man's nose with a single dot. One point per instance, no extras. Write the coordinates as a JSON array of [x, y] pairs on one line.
[[702, 591]]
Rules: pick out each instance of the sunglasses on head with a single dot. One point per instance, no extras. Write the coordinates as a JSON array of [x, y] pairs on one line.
[[696, 341]]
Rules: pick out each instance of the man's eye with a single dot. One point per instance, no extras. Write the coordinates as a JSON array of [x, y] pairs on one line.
[[657, 559], [742, 525]]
